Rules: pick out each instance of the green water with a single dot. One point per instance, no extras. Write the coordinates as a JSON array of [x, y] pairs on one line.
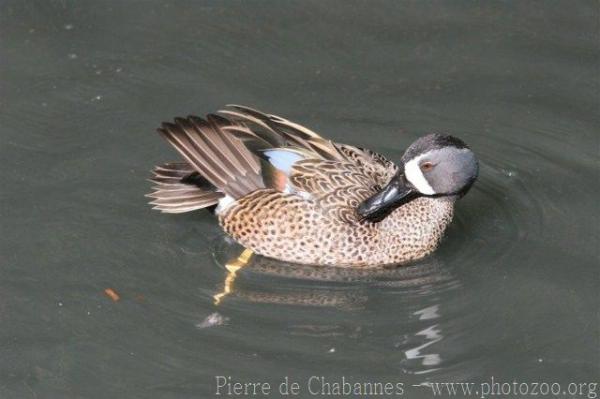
[[512, 294]]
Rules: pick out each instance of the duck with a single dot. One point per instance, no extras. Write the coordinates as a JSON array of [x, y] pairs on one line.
[[285, 192]]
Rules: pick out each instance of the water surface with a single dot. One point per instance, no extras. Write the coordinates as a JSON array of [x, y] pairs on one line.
[[512, 293]]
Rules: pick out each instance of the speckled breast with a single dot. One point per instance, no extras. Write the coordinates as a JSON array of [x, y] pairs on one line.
[[295, 229]]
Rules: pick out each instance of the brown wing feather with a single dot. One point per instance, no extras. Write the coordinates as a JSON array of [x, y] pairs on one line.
[[286, 133], [373, 163], [337, 186], [340, 186], [217, 155]]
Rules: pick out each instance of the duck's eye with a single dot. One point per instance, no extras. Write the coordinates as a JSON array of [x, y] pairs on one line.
[[426, 166]]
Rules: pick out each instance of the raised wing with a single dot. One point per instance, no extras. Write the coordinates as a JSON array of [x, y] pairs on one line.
[[337, 176], [277, 154]]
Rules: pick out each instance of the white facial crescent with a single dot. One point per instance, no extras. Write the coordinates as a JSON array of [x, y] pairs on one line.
[[414, 175]]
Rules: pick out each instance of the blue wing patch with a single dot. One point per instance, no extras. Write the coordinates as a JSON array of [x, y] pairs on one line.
[[283, 159]]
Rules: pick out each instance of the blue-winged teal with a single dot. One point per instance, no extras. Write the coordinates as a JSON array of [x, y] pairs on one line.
[[285, 192]]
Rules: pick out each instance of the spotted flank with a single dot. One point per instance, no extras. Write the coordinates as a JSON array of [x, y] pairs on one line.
[[283, 191]]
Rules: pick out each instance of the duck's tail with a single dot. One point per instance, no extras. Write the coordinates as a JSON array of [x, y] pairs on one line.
[[178, 188]]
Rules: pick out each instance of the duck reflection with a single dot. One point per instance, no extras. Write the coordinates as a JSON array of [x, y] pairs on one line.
[[247, 265], [412, 295], [339, 288]]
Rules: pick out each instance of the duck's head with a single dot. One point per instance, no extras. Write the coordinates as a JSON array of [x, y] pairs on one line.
[[435, 165]]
